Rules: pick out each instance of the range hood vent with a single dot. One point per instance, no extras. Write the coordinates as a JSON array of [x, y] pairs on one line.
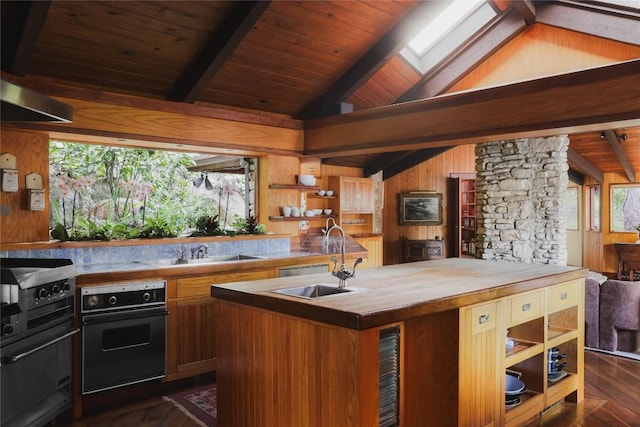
[[20, 104]]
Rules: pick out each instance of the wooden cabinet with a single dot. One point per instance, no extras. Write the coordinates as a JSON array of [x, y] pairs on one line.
[[422, 250], [515, 335], [354, 204], [373, 245], [539, 322], [479, 376], [191, 339], [462, 215]]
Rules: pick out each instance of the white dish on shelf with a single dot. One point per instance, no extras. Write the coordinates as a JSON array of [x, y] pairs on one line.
[[329, 193], [307, 180], [327, 211]]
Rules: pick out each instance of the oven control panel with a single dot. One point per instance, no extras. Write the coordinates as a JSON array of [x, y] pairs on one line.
[[122, 296]]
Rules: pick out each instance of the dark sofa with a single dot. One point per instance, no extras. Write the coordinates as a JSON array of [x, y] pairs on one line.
[[612, 315]]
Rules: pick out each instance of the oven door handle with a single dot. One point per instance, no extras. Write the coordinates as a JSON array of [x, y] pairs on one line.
[[96, 319], [8, 359]]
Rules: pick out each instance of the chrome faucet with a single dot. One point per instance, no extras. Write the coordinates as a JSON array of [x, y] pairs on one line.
[[199, 252], [342, 273], [325, 230]]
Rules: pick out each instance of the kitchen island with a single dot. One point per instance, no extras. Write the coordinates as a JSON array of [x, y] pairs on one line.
[[416, 344]]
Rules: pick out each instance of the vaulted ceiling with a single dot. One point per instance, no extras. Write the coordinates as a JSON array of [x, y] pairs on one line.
[[304, 59]]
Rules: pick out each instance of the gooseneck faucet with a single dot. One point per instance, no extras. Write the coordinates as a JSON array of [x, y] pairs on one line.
[[342, 273]]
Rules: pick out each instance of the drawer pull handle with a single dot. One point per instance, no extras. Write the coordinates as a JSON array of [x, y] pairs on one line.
[[526, 307], [483, 319], [564, 296]]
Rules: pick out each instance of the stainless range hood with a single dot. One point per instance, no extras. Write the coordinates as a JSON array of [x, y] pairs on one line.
[[20, 104]]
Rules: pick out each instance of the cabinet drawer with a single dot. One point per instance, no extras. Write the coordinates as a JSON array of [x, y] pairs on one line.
[[483, 318], [563, 296], [201, 286], [525, 307]]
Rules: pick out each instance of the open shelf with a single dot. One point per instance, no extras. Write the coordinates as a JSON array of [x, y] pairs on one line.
[[317, 196], [299, 218], [531, 403], [294, 187], [522, 350]]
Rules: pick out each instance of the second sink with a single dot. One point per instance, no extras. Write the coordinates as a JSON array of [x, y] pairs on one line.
[[314, 291]]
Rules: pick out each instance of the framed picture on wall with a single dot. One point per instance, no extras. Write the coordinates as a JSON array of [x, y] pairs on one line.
[[421, 208]]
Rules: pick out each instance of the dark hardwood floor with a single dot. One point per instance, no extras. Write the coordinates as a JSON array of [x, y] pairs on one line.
[[612, 398]]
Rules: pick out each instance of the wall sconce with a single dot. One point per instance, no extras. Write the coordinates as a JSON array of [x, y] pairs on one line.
[[602, 135], [624, 137]]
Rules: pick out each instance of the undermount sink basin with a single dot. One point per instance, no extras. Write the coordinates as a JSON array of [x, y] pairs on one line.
[[315, 291], [207, 260]]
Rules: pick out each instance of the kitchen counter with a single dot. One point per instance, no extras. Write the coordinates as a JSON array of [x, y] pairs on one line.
[[396, 292], [310, 251], [420, 341]]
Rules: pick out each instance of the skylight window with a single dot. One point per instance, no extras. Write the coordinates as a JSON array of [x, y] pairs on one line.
[[441, 24]]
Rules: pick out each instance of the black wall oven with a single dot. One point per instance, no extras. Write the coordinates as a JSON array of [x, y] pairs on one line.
[[123, 334]]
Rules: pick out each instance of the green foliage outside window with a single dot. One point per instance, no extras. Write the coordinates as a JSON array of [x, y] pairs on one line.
[[105, 193]]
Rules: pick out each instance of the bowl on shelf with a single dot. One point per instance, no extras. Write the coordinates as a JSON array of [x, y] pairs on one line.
[[328, 211], [307, 180], [309, 213], [329, 193], [321, 193], [317, 211]]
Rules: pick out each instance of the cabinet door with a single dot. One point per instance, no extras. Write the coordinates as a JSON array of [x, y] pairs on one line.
[[373, 245], [349, 195], [195, 337], [191, 340], [479, 382], [356, 195]]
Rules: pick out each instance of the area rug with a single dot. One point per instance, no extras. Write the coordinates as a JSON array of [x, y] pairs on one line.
[[200, 404]]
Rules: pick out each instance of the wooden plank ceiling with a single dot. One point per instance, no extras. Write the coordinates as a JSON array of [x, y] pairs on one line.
[[290, 59]]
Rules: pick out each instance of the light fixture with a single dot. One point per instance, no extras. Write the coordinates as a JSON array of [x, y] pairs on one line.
[[624, 137], [198, 182], [602, 135]]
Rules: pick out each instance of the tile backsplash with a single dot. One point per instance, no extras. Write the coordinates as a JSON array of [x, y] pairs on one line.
[[149, 252]]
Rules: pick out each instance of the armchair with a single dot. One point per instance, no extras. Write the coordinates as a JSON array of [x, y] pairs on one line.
[[619, 315]]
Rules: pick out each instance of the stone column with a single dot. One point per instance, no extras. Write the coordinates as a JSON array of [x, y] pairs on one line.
[[519, 189]]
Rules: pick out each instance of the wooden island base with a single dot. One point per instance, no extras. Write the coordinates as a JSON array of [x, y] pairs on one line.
[[417, 362]]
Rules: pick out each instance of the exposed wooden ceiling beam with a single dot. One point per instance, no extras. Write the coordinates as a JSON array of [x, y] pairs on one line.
[[584, 166], [20, 33], [194, 80], [622, 156], [501, 30], [566, 103], [383, 161], [594, 19], [375, 58], [412, 160], [527, 10], [575, 177]]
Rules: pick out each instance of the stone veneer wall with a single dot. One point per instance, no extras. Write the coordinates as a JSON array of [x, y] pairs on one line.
[[520, 211]]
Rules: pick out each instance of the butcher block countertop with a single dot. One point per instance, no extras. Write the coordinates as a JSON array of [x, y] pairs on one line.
[[398, 292]]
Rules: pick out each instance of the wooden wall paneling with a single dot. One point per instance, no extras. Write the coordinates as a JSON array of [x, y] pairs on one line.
[[526, 56], [278, 170], [429, 175], [32, 152]]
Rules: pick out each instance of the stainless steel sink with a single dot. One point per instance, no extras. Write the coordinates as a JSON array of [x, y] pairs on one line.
[[207, 260], [315, 291]]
